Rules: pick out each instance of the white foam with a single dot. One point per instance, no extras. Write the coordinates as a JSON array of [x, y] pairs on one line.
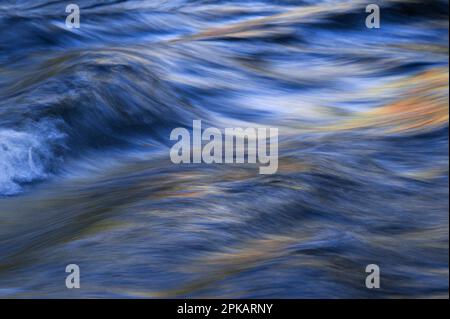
[[25, 157]]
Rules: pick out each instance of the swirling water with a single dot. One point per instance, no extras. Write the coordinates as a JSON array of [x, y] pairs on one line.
[[85, 175]]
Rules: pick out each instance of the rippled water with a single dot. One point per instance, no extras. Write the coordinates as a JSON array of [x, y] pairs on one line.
[[85, 174]]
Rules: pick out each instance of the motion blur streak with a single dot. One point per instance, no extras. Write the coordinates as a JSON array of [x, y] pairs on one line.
[[86, 178]]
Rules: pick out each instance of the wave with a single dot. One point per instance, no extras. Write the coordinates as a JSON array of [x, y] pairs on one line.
[[102, 86], [85, 120]]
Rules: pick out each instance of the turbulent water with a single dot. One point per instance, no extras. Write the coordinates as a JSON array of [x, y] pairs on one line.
[[86, 178]]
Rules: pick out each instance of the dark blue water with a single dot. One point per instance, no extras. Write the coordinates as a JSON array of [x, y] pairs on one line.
[[85, 174]]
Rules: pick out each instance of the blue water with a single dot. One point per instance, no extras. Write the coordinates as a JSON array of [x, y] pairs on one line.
[[86, 178]]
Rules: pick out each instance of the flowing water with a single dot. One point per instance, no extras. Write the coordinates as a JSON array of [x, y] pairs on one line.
[[86, 178]]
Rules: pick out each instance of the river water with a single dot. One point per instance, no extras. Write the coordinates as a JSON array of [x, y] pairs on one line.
[[86, 178]]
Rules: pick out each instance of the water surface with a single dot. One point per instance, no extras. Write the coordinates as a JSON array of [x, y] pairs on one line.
[[85, 174]]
